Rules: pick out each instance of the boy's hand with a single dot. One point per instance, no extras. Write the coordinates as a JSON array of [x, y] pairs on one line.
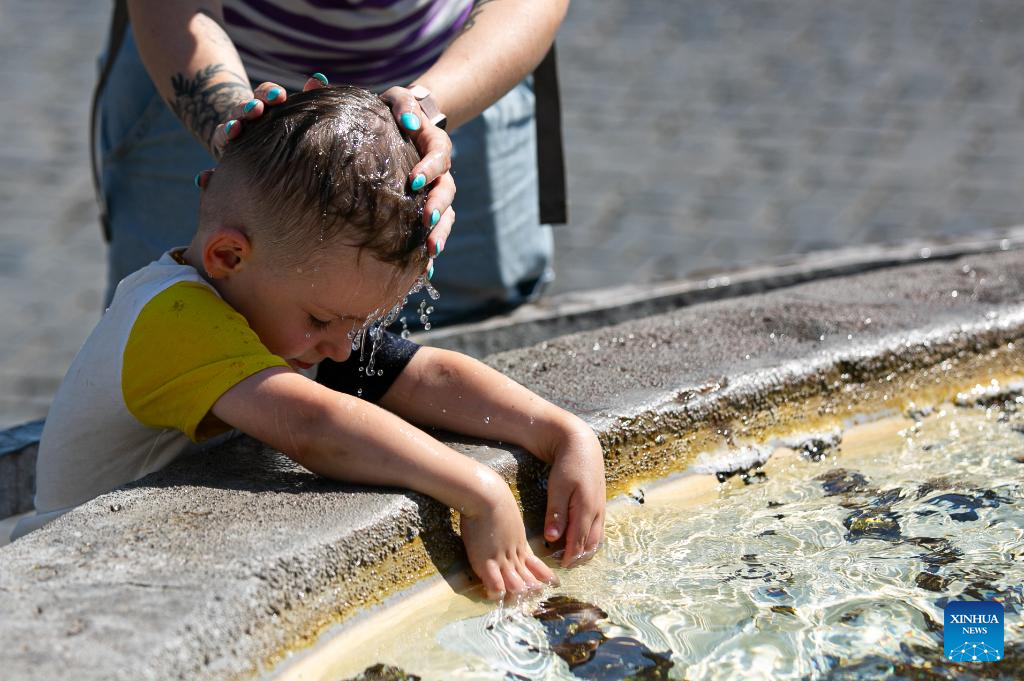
[[496, 545], [576, 494]]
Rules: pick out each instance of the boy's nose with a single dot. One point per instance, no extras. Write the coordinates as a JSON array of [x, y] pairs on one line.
[[338, 350]]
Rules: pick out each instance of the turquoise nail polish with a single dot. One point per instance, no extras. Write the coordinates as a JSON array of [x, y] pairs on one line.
[[196, 180], [430, 272], [273, 93], [435, 215], [322, 78], [437, 249], [418, 182], [410, 121], [249, 106], [230, 124]]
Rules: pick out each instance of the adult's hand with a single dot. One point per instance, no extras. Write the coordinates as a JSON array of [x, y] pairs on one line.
[[432, 142]]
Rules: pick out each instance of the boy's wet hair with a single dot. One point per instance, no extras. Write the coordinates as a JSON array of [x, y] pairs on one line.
[[331, 165]]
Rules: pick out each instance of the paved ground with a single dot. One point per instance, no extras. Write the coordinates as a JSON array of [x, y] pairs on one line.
[[700, 136]]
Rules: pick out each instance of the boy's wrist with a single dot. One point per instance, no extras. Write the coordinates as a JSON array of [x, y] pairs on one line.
[[563, 428], [490, 492]]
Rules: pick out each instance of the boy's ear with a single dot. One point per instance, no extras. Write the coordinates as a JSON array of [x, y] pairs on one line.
[[226, 252]]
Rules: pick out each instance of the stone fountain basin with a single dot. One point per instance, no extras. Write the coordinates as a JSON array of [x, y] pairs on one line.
[[226, 563]]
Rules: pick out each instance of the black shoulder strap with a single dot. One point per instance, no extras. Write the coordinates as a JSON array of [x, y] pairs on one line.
[[550, 156], [118, 26]]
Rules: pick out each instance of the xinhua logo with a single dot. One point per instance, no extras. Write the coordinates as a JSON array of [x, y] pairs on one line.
[[973, 631]]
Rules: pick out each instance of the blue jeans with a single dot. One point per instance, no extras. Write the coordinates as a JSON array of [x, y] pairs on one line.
[[498, 256]]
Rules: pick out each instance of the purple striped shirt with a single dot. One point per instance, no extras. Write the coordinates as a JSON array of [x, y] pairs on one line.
[[371, 43]]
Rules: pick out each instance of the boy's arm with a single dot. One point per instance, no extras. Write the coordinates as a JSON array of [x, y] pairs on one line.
[[448, 390], [346, 438]]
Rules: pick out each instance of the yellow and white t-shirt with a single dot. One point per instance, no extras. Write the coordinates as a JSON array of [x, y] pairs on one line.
[[139, 392]]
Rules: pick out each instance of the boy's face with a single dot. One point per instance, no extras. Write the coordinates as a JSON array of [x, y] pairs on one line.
[[308, 313]]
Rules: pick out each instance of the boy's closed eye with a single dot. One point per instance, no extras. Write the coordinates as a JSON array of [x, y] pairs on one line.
[[318, 324]]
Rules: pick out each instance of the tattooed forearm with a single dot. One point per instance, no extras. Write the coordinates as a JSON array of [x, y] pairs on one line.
[[478, 6], [202, 106]]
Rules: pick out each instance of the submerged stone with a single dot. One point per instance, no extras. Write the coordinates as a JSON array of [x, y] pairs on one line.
[[842, 481], [888, 497], [929, 486], [929, 663], [963, 507], [872, 523], [932, 582], [574, 633], [815, 447], [749, 476], [754, 477], [382, 672], [939, 551]]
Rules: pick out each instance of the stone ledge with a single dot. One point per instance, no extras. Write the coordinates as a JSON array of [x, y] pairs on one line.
[[585, 310], [216, 566]]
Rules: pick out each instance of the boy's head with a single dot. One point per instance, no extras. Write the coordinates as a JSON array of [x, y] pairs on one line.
[[308, 227]]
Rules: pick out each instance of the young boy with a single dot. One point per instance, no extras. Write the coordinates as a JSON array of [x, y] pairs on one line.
[[308, 232]]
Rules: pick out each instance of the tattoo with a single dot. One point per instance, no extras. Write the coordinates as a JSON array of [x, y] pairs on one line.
[[478, 7], [202, 106]]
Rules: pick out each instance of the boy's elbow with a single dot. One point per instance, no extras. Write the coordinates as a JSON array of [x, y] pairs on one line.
[[302, 434]]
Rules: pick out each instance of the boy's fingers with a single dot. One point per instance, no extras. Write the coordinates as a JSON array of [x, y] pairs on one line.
[[540, 570], [530, 582], [491, 578], [438, 236], [596, 534], [513, 582], [557, 513], [571, 535]]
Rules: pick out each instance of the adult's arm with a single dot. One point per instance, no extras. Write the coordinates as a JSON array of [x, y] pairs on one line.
[[196, 69], [192, 61], [500, 43]]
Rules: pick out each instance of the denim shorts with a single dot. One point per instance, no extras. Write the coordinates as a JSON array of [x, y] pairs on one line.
[[498, 256]]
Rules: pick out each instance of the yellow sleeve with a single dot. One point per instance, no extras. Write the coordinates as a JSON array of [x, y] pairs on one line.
[[186, 349]]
